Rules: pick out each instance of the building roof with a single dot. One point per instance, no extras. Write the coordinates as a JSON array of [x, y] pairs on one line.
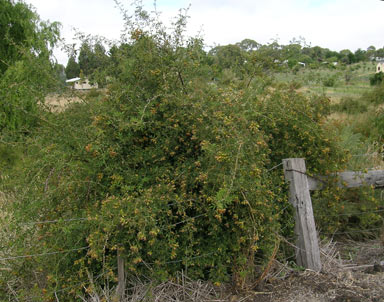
[[72, 80]]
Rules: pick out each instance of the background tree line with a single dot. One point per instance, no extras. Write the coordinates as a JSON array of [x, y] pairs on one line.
[[96, 62]]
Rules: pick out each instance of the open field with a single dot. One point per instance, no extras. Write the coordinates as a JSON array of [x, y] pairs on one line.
[[58, 102], [335, 83]]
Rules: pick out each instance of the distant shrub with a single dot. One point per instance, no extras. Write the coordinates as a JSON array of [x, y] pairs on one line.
[[348, 76], [9, 155], [228, 77], [376, 96], [350, 106], [329, 81], [376, 79], [295, 85], [94, 93]]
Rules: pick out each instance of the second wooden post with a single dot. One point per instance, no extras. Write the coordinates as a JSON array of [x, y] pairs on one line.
[[307, 247]]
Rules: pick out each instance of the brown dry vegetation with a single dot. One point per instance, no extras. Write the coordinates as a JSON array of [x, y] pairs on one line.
[[5, 234], [58, 102], [351, 273]]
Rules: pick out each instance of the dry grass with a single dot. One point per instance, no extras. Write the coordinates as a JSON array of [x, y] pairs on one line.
[[183, 289], [58, 103], [6, 234], [348, 274]]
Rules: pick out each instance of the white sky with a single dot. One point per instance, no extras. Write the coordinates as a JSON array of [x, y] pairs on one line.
[[333, 24]]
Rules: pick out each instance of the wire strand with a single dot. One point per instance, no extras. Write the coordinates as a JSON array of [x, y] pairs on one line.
[[53, 221], [275, 167], [43, 254]]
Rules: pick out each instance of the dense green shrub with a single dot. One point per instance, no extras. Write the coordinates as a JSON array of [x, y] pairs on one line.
[[172, 171], [330, 81], [180, 182], [353, 213], [373, 124], [377, 78], [376, 96]]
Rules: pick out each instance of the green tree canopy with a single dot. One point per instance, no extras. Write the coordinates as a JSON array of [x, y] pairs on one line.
[[17, 30], [248, 45], [26, 69], [228, 56], [72, 69], [86, 58], [22, 33]]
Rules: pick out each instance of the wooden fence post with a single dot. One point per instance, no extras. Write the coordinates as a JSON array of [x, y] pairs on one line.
[[121, 277], [307, 251]]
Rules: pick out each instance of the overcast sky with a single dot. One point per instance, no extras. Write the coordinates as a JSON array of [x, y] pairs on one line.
[[334, 24]]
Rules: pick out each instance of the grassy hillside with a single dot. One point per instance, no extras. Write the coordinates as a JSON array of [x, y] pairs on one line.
[[336, 82]]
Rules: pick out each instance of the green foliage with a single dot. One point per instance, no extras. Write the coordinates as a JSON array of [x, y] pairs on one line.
[[22, 31], [350, 106], [26, 72], [169, 169], [248, 45], [73, 69], [376, 96], [9, 156], [22, 87], [17, 31], [229, 56], [354, 213], [361, 151], [93, 60], [178, 181], [175, 166], [329, 81], [377, 78]]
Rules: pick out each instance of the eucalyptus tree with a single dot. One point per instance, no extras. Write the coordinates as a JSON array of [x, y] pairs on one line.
[[26, 65]]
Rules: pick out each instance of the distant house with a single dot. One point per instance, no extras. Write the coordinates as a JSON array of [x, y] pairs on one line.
[[81, 84], [380, 67]]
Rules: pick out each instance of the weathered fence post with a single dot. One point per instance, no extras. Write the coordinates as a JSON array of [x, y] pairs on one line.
[[307, 250], [121, 277]]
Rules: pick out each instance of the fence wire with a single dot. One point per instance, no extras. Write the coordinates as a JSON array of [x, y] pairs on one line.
[[43, 254]]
